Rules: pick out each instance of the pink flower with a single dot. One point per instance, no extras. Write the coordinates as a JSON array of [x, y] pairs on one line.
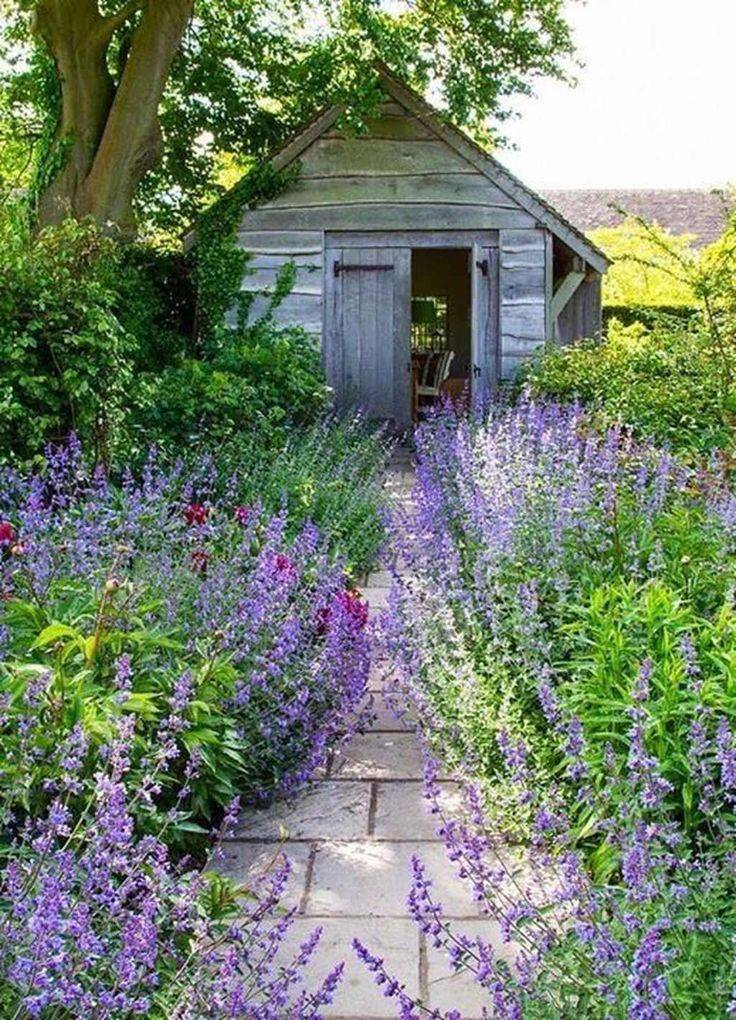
[[242, 514], [7, 533], [353, 604], [196, 513]]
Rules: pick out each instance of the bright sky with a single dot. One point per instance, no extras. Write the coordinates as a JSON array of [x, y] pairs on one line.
[[654, 104]]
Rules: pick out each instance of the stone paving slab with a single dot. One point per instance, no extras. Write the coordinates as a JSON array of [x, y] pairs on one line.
[[387, 721], [401, 810], [379, 579], [396, 940], [351, 837], [244, 863], [378, 677], [377, 598], [448, 990], [375, 755], [374, 879], [329, 810]]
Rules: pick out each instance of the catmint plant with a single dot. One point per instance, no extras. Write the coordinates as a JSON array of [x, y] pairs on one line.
[[562, 624]]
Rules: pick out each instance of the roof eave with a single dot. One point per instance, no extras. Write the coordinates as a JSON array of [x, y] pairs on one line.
[[495, 171]]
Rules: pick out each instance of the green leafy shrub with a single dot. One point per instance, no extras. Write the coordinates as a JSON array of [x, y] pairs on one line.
[[663, 382], [651, 316], [66, 359], [645, 270], [265, 381]]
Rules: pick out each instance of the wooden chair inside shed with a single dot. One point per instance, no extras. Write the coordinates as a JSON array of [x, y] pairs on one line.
[[434, 371]]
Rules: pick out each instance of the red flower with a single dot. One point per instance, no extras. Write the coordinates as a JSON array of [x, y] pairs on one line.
[[353, 604], [7, 533], [242, 514], [196, 513]]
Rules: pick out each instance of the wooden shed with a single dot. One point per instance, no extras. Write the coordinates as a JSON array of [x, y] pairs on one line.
[[412, 237]]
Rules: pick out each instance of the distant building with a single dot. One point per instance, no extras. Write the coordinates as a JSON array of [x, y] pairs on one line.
[[699, 212]]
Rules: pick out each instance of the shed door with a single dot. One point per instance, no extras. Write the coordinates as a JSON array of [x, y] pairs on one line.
[[484, 322], [367, 330]]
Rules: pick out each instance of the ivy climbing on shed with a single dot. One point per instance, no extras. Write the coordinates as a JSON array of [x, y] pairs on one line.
[[219, 263]]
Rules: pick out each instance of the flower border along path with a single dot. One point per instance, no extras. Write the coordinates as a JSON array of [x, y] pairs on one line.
[[350, 838]]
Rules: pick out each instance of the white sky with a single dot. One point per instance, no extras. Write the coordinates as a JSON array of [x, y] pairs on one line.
[[655, 104]]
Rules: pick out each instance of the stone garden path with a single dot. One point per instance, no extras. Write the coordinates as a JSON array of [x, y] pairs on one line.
[[350, 837]]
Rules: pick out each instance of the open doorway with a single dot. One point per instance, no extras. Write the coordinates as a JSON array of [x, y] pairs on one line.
[[440, 326]]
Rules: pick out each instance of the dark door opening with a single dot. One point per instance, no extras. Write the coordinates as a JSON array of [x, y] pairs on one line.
[[440, 326]]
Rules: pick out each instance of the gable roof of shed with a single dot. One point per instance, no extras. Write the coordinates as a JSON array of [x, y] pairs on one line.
[[461, 143]]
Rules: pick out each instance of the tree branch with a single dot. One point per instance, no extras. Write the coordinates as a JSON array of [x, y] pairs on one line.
[[113, 22]]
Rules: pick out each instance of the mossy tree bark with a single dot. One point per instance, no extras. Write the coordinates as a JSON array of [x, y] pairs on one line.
[[108, 134]]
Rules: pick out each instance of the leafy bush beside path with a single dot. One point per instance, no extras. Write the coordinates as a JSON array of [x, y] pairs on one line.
[[662, 381]]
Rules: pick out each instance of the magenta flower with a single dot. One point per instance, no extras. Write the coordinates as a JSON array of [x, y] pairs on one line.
[[7, 533], [196, 513], [243, 514], [284, 566]]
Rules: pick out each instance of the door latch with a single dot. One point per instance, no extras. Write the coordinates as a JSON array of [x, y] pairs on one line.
[[342, 267]]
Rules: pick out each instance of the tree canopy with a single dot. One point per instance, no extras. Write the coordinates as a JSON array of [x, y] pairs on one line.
[[144, 108]]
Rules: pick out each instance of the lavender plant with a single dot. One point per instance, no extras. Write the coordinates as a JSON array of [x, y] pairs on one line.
[[563, 628], [541, 552], [96, 920], [124, 601], [166, 650], [653, 942]]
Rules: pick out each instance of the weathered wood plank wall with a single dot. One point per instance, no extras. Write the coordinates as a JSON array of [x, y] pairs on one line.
[[400, 178], [401, 187], [581, 318], [269, 252], [523, 285]]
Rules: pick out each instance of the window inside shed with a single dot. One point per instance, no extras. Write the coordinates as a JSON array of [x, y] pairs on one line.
[[429, 324]]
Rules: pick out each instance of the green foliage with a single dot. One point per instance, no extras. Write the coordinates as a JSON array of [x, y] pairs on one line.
[[666, 375], [248, 74], [98, 339], [219, 263], [663, 382], [262, 383], [644, 273], [616, 627], [650, 315], [67, 358]]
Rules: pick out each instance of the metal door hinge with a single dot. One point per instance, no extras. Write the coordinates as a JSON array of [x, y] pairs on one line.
[[483, 266], [340, 267]]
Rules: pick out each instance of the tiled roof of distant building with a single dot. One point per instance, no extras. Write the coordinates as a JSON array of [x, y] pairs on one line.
[[688, 211]]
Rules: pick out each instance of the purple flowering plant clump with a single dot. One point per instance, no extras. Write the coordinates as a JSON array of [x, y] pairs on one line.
[[548, 562], [148, 599], [564, 629], [98, 920], [165, 654]]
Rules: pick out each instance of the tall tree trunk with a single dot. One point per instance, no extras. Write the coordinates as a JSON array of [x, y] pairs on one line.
[[108, 136]]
